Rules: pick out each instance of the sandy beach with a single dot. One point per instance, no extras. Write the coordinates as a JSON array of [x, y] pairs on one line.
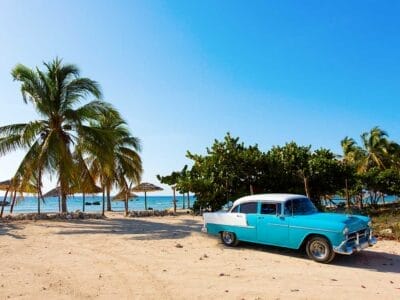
[[169, 258]]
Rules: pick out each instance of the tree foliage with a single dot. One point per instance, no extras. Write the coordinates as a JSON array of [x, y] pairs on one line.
[[230, 169], [66, 129]]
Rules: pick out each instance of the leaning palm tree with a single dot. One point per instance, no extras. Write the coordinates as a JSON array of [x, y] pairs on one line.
[[121, 163], [56, 93]]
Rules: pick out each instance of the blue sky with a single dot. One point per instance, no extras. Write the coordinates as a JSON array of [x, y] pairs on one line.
[[186, 72]]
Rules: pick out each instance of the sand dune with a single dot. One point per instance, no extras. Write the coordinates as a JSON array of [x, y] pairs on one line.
[[169, 258]]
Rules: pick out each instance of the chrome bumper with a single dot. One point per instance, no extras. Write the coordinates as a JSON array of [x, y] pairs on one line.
[[356, 247]]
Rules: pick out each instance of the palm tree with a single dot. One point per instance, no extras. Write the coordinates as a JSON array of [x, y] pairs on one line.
[[375, 151], [376, 147], [121, 165], [55, 94], [352, 153]]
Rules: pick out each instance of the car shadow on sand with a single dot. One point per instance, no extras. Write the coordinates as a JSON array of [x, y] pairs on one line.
[[368, 259], [133, 228]]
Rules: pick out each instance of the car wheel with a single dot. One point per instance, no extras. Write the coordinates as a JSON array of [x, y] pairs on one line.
[[319, 249], [229, 238]]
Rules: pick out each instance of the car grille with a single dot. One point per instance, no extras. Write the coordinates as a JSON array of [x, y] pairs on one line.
[[363, 233]]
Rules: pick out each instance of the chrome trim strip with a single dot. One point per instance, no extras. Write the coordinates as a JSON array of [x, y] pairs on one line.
[[240, 226], [316, 229], [280, 225]]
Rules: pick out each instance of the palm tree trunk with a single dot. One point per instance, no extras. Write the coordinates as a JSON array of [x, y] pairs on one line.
[[188, 200], [251, 190], [104, 198], [4, 203], [126, 205], [173, 189], [63, 202], [306, 187], [83, 202], [347, 193], [108, 199], [39, 190], [63, 196], [361, 204], [13, 202], [145, 201], [38, 203], [183, 200]]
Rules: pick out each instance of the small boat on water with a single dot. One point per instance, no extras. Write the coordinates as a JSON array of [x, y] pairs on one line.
[[5, 203], [93, 203]]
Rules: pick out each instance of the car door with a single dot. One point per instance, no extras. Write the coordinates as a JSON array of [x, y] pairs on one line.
[[249, 233], [272, 226]]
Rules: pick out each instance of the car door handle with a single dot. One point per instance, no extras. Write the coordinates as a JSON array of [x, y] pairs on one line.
[[260, 218]]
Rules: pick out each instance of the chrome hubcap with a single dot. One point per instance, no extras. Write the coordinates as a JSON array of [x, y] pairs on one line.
[[228, 237], [318, 250]]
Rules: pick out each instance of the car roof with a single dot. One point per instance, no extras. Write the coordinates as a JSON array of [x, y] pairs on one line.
[[268, 198]]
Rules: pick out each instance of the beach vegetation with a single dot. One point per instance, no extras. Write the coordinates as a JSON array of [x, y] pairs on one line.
[[362, 175]]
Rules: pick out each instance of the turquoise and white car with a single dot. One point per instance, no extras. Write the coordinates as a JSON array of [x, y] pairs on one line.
[[290, 221]]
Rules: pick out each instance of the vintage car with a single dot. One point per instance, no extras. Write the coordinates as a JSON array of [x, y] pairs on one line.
[[290, 221]]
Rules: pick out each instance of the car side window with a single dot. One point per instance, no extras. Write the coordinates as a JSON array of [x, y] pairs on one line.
[[235, 209], [248, 208], [288, 207], [269, 208]]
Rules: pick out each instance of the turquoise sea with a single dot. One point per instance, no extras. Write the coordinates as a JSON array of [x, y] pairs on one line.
[[29, 204], [367, 200]]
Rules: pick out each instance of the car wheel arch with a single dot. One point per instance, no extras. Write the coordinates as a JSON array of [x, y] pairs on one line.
[[310, 236]]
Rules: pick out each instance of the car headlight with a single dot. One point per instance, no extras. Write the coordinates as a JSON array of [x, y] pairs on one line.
[[345, 231], [369, 223]]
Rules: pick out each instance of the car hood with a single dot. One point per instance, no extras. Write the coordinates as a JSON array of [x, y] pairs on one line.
[[354, 223]]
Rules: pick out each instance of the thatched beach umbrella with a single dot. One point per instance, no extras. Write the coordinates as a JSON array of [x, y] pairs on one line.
[[121, 196], [14, 187], [87, 189], [146, 187], [54, 193], [124, 195], [4, 186]]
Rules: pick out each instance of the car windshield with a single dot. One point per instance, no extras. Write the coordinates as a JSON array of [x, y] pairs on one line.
[[300, 206]]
